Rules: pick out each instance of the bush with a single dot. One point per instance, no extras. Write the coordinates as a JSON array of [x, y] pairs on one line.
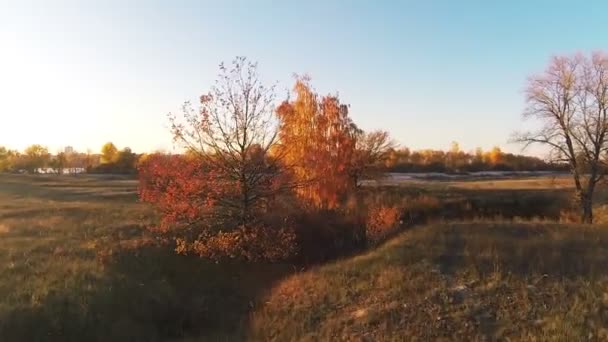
[[381, 222], [244, 243]]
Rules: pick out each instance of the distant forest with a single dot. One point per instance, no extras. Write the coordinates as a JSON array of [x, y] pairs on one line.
[[455, 161], [112, 160]]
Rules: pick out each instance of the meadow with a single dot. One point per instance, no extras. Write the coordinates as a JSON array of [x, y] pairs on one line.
[[473, 260]]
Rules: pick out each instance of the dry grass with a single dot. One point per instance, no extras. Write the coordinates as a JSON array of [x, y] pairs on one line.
[[464, 281], [77, 264], [533, 183]]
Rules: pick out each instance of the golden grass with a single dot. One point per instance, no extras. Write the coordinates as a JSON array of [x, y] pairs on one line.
[[533, 183], [462, 281], [77, 264]]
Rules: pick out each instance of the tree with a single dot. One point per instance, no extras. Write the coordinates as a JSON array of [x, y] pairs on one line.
[[214, 198], [5, 159], [455, 158], [232, 133], [478, 158], [109, 153], [370, 155], [16, 161], [59, 162], [36, 157], [125, 161], [494, 156], [90, 160], [317, 140], [392, 158], [570, 99], [72, 160]]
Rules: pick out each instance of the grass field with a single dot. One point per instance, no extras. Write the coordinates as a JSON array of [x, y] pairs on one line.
[[77, 265], [461, 281]]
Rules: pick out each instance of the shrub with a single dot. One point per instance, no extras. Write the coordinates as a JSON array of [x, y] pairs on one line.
[[381, 222], [244, 243]]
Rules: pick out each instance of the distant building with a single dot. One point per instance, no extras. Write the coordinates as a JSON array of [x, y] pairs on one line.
[[68, 150]]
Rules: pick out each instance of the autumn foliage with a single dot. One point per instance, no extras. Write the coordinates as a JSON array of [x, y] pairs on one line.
[[318, 143], [457, 160], [249, 243], [183, 189], [188, 194], [259, 183], [381, 222], [215, 198]]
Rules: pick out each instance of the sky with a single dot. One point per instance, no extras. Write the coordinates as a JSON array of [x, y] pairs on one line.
[[81, 73]]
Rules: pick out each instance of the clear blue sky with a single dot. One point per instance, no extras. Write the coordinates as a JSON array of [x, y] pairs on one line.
[[82, 73]]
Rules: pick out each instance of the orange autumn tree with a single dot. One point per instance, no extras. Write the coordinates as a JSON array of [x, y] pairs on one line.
[[317, 142], [494, 156], [215, 199]]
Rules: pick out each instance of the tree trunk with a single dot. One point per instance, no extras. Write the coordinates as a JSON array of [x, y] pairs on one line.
[[587, 208], [245, 197], [244, 203]]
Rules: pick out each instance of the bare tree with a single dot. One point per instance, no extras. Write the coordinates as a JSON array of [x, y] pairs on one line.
[[371, 150], [570, 99], [234, 131]]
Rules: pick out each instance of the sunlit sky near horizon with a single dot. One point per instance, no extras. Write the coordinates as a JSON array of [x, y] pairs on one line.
[[81, 73]]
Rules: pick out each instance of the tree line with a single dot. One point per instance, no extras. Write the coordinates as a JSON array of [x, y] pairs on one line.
[[37, 159], [377, 154], [455, 160]]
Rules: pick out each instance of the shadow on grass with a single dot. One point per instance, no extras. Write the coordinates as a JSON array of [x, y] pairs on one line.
[[46, 212], [69, 188], [75, 195], [546, 203], [524, 249], [464, 204], [149, 294]]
